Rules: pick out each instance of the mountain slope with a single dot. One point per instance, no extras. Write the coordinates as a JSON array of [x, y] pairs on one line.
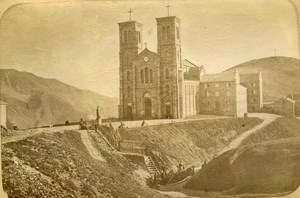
[[280, 75], [35, 101]]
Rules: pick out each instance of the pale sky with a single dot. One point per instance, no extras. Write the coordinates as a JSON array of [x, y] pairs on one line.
[[78, 42]]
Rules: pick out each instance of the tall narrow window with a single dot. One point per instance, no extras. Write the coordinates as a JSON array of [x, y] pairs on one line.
[[163, 32], [177, 32], [128, 76], [129, 36], [167, 73], [142, 76], [146, 75], [125, 36], [128, 91], [167, 89], [168, 32], [139, 36], [151, 75]]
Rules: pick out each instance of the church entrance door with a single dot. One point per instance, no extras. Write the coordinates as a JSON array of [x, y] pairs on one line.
[[148, 108], [168, 111], [129, 112]]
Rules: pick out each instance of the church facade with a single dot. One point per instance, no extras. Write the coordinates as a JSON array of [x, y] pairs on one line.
[[163, 85]]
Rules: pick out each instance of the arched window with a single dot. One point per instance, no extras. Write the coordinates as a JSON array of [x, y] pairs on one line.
[[164, 32], [146, 75], [126, 59], [129, 36], [128, 76], [168, 32], [138, 35], [128, 92], [142, 76], [125, 36], [151, 75], [167, 73], [167, 89]]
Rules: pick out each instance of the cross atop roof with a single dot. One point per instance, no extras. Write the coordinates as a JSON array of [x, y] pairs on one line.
[[168, 8], [130, 11]]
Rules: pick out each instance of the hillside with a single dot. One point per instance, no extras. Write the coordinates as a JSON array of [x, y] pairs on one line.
[[264, 168], [279, 129], [35, 101], [58, 165], [280, 75], [191, 142]]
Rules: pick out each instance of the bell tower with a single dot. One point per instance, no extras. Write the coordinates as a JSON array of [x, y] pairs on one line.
[[169, 49], [130, 36]]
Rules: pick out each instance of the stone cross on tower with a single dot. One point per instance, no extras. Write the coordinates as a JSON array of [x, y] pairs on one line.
[[168, 8], [145, 45], [130, 11]]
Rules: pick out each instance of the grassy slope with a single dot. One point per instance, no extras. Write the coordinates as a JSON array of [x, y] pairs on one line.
[[59, 165], [280, 75], [34, 100], [265, 168], [281, 128], [268, 161], [191, 142]]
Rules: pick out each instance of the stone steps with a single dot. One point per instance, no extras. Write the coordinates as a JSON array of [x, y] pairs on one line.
[[152, 169]]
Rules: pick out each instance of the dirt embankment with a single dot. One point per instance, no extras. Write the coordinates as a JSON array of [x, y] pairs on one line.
[[59, 165], [191, 142], [267, 163]]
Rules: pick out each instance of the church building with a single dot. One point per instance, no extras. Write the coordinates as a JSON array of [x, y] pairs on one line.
[[164, 85]]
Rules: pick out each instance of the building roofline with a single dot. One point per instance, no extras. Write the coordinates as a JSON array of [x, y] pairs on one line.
[[128, 22], [161, 18]]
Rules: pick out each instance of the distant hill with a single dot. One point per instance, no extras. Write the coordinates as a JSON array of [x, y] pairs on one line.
[[36, 101], [280, 75]]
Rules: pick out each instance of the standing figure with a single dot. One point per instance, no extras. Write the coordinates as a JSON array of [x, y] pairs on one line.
[[98, 119]]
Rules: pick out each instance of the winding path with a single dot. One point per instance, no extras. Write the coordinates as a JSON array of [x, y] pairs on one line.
[[94, 153], [267, 119]]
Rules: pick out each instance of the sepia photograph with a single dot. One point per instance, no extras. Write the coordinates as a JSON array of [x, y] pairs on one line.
[[150, 98]]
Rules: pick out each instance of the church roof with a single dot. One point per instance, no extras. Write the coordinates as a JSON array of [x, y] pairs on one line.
[[188, 63], [149, 54], [219, 77], [191, 70]]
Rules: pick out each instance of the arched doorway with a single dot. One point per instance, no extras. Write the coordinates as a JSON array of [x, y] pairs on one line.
[[168, 110], [147, 105], [129, 111]]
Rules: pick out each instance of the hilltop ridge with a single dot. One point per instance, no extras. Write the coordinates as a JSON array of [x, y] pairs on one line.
[[281, 75], [36, 101]]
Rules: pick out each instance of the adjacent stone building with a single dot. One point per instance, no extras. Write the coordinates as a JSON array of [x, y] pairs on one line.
[[285, 106], [163, 85], [222, 94], [253, 83]]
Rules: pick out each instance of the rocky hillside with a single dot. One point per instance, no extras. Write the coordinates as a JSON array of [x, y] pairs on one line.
[[280, 75], [35, 101], [58, 165], [191, 142]]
